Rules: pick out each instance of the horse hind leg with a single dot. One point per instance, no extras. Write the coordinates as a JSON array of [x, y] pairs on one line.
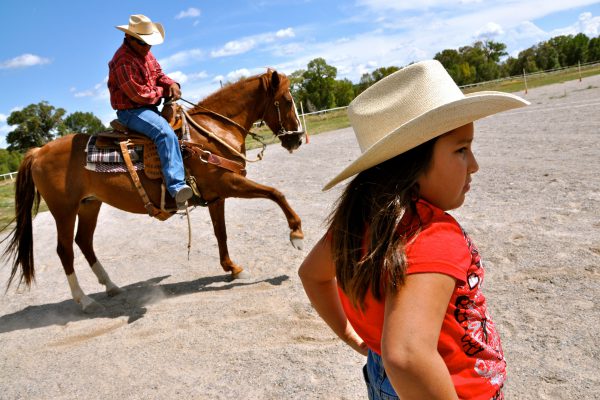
[[86, 226], [65, 225]]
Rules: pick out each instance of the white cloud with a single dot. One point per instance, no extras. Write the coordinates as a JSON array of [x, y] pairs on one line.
[[383, 5], [489, 31], [3, 118], [586, 24], [283, 33], [189, 13], [98, 92], [24, 61], [181, 58], [182, 78], [234, 47], [248, 43], [237, 74]]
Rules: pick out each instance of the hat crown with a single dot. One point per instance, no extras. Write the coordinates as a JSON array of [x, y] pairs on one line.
[[399, 98], [141, 24]]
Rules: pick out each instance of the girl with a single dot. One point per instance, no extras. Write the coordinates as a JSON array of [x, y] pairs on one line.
[[395, 276]]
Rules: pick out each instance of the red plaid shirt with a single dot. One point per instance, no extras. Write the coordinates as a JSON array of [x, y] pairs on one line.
[[135, 81]]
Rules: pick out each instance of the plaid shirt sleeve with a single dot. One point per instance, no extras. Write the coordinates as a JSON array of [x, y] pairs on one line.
[[161, 79]]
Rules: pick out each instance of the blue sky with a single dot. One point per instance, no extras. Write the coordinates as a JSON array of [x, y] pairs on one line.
[[58, 50]]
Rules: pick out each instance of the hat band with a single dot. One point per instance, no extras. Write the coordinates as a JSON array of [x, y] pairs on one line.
[[142, 29]]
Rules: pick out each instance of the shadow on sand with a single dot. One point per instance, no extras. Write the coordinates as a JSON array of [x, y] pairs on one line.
[[131, 303]]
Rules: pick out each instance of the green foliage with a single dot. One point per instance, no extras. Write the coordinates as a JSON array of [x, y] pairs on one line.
[[367, 79], [81, 122], [318, 84], [343, 92], [36, 125], [476, 63], [9, 161]]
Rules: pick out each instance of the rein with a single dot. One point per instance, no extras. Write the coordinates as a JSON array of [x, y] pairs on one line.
[[210, 134]]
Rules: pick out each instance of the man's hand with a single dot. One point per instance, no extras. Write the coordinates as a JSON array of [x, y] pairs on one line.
[[174, 92]]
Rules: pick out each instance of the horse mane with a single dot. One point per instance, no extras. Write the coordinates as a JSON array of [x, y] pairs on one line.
[[226, 94]]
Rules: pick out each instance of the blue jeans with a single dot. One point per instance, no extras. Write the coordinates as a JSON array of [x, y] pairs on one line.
[[148, 121], [379, 386]]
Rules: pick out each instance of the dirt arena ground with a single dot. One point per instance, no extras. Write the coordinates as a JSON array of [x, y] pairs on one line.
[[182, 329]]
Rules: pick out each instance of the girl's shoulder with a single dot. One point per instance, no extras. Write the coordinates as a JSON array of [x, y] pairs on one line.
[[440, 245]]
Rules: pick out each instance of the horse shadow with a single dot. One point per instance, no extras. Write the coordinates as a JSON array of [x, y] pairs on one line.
[[132, 302]]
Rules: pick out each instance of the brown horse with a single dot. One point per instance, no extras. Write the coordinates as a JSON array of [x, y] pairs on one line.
[[72, 193]]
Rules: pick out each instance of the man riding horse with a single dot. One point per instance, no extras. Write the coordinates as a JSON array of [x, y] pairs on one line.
[[136, 84]]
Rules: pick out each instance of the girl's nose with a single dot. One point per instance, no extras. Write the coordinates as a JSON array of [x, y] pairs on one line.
[[473, 165]]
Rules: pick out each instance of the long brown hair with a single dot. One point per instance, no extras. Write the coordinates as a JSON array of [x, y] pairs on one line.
[[368, 251]]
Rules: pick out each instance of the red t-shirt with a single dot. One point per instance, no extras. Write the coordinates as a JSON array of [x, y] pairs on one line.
[[469, 342], [135, 81]]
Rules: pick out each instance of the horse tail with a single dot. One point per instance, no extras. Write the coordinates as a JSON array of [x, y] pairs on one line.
[[27, 201]]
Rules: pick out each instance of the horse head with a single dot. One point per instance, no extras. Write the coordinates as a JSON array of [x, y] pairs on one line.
[[281, 114]]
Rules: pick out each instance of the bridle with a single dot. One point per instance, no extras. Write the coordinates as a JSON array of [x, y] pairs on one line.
[[281, 132]]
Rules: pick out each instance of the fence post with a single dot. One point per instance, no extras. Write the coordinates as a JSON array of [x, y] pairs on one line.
[[579, 69], [525, 80], [304, 123]]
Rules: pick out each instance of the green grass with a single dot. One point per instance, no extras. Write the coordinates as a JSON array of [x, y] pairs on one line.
[[7, 202]]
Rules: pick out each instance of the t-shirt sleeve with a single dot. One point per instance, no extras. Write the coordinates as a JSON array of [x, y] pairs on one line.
[[440, 247]]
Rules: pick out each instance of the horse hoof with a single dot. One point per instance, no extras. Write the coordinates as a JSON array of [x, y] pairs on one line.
[[241, 275], [92, 308], [298, 243], [112, 292]]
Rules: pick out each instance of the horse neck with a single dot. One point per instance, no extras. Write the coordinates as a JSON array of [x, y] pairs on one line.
[[243, 102]]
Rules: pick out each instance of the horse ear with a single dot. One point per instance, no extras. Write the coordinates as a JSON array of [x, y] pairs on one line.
[[275, 81]]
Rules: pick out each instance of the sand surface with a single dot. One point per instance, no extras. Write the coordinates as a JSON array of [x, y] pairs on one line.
[[182, 329]]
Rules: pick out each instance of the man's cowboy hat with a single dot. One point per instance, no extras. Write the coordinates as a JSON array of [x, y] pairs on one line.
[[410, 107], [143, 28]]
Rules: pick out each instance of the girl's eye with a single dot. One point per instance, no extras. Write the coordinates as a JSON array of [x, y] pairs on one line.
[[462, 150]]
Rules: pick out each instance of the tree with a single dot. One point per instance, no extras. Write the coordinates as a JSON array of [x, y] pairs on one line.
[[578, 49], [594, 49], [318, 84], [296, 78], [81, 122], [343, 92], [36, 125], [367, 79], [546, 56], [382, 72], [9, 161]]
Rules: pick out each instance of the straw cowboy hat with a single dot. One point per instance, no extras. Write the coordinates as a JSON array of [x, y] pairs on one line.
[[143, 28], [410, 107]]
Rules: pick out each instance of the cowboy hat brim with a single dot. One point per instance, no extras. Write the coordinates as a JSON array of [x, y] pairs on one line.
[[429, 125], [156, 37]]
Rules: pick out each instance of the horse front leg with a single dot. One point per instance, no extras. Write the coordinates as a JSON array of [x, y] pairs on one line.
[[246, 188], [217, 215]]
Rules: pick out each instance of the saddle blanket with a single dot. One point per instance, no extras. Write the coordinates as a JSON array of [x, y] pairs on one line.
[[110, 159]]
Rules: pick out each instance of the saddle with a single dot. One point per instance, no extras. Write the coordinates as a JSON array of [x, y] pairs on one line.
[[130, 147]]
